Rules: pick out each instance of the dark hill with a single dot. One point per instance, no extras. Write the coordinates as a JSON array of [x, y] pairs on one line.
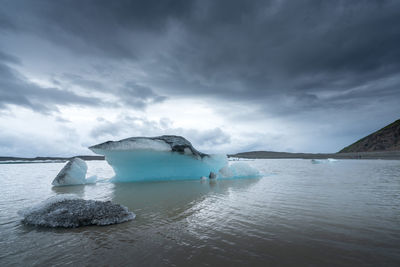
[[385, 139]]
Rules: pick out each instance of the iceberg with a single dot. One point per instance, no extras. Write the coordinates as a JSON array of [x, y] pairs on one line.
[[73, 173], [69, 211], [166, 157]]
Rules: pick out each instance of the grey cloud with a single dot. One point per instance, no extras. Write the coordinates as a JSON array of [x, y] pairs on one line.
[[94, 27], [9, 58], [297, 60], [28, 144], [207, 138], [125, 126], [234, 50], [15, 89], [139, 96], [250, 55], [85, 83], [210, 140], [105, 129], [62, 120]]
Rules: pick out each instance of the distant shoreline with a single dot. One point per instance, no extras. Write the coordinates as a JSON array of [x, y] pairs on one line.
[[246, 155], [49, 159], [287, 155]]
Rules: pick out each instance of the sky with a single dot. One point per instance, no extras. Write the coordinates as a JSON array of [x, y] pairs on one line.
[[230, 76]]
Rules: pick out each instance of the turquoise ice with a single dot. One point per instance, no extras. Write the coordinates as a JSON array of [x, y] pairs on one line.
[[165, 157]]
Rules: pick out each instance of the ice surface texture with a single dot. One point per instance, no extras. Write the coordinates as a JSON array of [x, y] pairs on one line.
[[160, 143], [69, 211], [166, 157], [73, 173]]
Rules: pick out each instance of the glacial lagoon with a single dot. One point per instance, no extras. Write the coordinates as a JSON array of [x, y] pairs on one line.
[[297, 213]]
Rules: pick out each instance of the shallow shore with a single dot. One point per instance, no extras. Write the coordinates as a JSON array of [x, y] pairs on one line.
[[287, 155]]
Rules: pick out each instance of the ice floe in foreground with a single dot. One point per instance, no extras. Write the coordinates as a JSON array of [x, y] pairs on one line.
[[166, 157], [70, 211], [73, 173]]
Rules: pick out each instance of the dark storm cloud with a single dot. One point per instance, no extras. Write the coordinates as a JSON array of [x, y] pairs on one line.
[[9, 58], [92, 26], [16, 90], [82, 82], [314, 54], [139, 96], [294, 48]]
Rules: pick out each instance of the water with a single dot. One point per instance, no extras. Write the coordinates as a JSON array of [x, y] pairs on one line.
[[341, 213]]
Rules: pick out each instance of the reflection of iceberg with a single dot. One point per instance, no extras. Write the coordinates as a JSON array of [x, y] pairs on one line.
[[238, 170], [70, 211], [165, 157], [159, 201]]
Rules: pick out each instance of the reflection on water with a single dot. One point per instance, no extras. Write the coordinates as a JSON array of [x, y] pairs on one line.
[[78, 190], [164, 202], [300, 214]]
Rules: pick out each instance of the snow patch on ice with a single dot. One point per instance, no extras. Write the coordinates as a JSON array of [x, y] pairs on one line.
[[159, 143], [133, 144]]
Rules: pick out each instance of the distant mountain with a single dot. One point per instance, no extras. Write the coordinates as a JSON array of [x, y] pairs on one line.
[[385, 139]]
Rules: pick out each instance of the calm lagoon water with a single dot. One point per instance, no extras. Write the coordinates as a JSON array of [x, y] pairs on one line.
[[343, 213]]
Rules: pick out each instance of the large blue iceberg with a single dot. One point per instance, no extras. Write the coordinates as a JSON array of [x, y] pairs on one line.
[[166, 157]]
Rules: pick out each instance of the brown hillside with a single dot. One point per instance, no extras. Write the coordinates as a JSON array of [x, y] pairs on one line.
[[385, 139]]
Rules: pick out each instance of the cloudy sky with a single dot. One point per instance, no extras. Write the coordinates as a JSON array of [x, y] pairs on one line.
[[230, 76]]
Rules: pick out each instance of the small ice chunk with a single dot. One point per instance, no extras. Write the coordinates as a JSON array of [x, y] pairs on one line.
[[319, 161], [238, 170], [73, 173], [70, 211], [332, 160]]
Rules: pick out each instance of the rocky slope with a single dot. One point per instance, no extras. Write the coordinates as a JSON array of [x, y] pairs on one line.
[[385, 139]]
